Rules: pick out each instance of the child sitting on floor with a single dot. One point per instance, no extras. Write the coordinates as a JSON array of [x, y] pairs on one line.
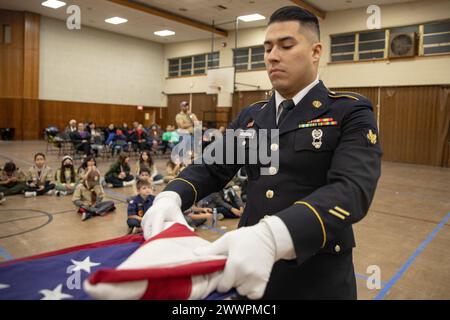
[[144, 174], [139, 205], [39, 178], [65, 177], [12, 180], [88, 197], [227, 202], [119, 173]]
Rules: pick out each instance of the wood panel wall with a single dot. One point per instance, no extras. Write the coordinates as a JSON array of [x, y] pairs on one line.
[[12, 55], [415, 124], [203, 105], [19, 73], [30, 117], [241, 99]]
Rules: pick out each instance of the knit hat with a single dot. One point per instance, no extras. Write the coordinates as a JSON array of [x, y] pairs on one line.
[[67, 157]]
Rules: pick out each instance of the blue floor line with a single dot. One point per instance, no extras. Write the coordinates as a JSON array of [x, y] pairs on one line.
[[413, 257], [5, 254]]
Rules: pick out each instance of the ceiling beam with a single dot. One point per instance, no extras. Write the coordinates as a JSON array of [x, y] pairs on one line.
[[170, 16], [312, 9]]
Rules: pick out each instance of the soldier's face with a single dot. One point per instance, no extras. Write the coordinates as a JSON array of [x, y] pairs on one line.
[[291, 56]]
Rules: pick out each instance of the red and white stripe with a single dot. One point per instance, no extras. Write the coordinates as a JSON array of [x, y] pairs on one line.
[[164, 267]]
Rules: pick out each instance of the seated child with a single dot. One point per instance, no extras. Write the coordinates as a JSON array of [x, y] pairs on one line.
[[12, 180], [119, 173], [145, 160], [144, 174], [139, 205], [227, 202], [65, 177], [39, 177], [88, 197]]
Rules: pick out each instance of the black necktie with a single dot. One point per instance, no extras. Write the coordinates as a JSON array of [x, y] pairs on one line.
[[286, 105]]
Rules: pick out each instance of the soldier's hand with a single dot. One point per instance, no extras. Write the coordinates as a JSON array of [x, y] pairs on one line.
[[251, 255], [165, 211]]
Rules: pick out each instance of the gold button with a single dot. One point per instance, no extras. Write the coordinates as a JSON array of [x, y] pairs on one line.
[[273, 170], [337, 248], [269, 194], [274, 147]]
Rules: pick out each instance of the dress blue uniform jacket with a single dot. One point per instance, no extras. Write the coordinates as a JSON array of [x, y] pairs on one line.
[[329, 165]]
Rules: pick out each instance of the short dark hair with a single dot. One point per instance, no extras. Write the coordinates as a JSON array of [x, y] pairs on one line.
[[39, 154], [295, 13], [9, 167], [142, 183], [145, 169]]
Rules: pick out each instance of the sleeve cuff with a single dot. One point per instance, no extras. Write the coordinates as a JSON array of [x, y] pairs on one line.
[[283, 241]]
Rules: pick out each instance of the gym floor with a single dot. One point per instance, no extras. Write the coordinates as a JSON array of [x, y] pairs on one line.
[[406, 232]]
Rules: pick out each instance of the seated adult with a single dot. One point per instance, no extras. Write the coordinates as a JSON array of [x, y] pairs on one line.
[[72, 127], [81, 139]]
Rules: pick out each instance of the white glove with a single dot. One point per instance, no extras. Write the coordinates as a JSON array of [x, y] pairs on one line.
[[251, 254], [165, 211]]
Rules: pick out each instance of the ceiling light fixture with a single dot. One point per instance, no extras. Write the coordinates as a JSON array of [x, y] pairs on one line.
[[251, 17], [116, 20], [54, 4], [164, 33]]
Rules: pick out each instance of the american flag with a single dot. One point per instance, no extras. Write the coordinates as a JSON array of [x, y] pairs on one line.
[[60, 275]]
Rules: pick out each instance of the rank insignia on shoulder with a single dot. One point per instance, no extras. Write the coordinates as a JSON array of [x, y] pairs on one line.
[[372, 137], [316, 104]]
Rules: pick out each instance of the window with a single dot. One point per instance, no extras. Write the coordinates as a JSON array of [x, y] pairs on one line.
[[362, 46], [186, 66], [257, 54], [251, 58], [193, 65], [174, 67], [436, 38], [241, 59], [213, 60], [343, 48], [372, 45], [200, 64]]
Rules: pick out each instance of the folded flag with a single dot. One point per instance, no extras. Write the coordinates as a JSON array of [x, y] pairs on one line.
[[164, 267], [60, 274]]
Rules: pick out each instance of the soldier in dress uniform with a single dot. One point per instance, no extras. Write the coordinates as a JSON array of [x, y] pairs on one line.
[[295, 237]]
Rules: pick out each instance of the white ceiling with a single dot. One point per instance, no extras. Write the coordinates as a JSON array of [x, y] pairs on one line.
[[142, 25]]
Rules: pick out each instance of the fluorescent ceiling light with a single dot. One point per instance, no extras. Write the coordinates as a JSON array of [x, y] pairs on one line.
[[251, 17], [164, 33], [116, 20], [55, 4]]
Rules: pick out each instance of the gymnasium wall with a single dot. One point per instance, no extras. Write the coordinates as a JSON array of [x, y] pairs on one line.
[[49, 75], [92, 65], [413, 71]]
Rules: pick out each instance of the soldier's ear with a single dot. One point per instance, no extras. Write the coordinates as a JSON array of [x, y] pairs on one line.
[[316, 51]]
